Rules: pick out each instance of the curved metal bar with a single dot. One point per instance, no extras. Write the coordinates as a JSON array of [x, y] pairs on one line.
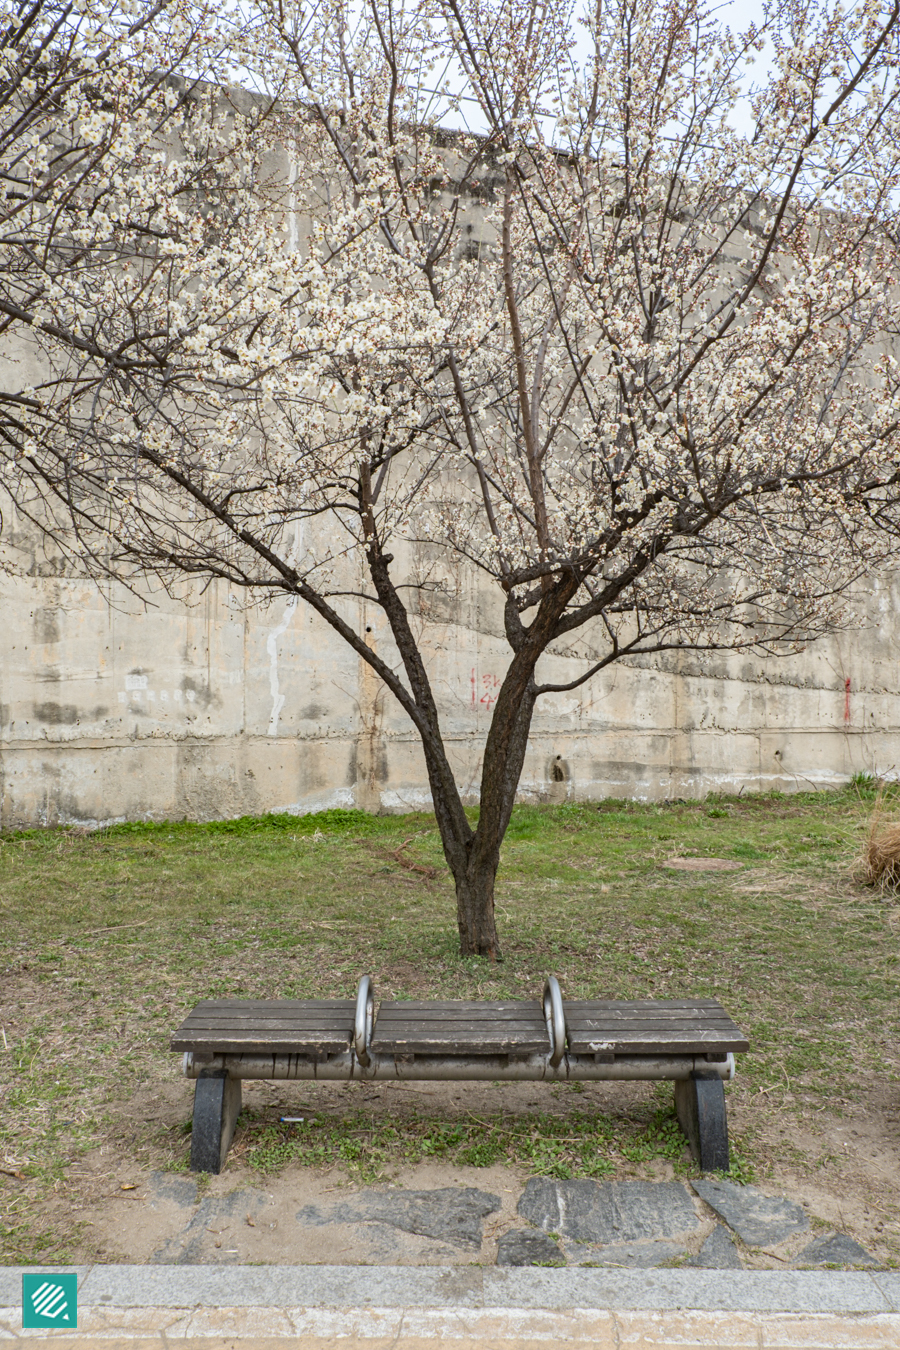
[[556, 1019], [362, 1021]]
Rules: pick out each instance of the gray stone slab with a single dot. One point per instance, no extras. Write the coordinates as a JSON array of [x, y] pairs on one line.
[[11, 1280], [194, 1243], [834, 1249], [452, 1214], [765, 1291], [627, 1255], [177, 1190], [609, 1211], [759, 1220], [283, 1286], [888, 1282], [526, 1247], [718, 1252]]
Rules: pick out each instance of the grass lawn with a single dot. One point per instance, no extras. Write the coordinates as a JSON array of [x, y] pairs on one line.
[[106, 939]]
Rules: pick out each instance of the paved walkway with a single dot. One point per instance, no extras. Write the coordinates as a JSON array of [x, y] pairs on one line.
[[470, 1307]]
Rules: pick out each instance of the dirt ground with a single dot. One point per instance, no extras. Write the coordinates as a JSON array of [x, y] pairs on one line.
[[122, 1210]]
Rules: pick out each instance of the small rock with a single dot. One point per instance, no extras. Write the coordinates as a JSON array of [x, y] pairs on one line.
[[523, 1247], [718, 1252], [759, 1220], [834, 1249], [608, 1211]]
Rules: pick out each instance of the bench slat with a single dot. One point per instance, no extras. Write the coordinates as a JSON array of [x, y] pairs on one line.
[[278, 1004], [685, 1019], [524, 1013], [212, 1020]]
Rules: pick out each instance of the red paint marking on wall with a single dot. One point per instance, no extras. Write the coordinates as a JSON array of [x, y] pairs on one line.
[[847, 699], [490, 682], [473, 686]]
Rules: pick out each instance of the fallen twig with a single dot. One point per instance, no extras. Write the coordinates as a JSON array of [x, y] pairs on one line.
[[397, 855]]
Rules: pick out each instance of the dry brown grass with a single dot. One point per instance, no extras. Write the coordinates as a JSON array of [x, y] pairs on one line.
[[880, 864]]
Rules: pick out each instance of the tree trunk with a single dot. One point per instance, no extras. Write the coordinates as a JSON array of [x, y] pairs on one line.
[[475, 911], [475, 867], [473, 857]]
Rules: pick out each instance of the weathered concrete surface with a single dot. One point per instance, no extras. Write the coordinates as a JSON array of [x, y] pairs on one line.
[[759, 1220], [112, 711]]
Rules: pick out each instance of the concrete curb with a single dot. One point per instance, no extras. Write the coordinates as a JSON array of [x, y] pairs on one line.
[[476, 1308]]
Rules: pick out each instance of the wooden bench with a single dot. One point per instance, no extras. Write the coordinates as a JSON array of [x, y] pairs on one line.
[[691, 1042]]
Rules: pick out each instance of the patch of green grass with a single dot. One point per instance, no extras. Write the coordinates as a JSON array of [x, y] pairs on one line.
[[578, 1144]]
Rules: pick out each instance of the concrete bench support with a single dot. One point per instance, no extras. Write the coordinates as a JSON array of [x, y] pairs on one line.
[[700, 1107], [217, 1103]]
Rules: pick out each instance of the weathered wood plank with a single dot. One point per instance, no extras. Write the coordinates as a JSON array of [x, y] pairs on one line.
[[643, 1003], [618, 1007], [656, 1028], [278, 1004], [644, 1043], [459, 1010], [266, 1045], [276, 1023]]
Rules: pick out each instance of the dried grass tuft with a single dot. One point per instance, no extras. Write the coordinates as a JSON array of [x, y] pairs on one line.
[[881, 856]]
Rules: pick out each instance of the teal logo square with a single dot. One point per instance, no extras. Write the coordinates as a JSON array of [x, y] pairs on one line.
[[49, 1300]]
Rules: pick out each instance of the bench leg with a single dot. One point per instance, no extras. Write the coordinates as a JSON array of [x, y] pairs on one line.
[[700, 1107], [217, 1101]]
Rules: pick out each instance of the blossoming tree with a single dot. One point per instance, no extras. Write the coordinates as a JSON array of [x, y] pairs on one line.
[[567, 296], [89, 92]]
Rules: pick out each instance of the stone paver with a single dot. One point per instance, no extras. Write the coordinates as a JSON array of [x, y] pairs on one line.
[[759, 1220], [525, 1247], [835, 1249], [451, 1214], [196, 1241], [629, 1255], [718, 1252], [609, 1211]]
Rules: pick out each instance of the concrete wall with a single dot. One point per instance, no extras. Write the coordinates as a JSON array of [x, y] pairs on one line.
[[111, 709]]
